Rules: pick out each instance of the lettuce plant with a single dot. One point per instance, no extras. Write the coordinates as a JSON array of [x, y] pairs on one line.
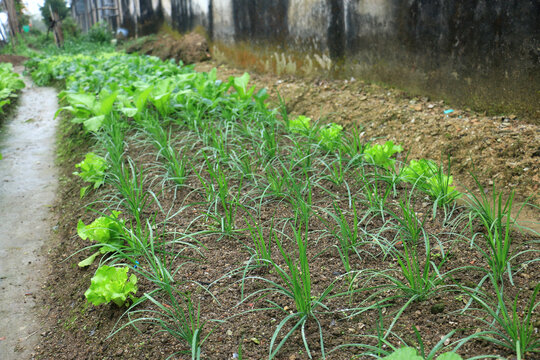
[[93, 169], [330, 136], [430, 178], [440, 187], [381, 154], [409, 353], [111, 284], [104, 230], [299, 125], [418, 169]]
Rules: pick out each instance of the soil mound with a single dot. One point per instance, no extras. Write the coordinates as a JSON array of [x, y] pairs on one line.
[[14, 59], [189, 48]]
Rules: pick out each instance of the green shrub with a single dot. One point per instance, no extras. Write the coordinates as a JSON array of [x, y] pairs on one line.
[[99, 33]]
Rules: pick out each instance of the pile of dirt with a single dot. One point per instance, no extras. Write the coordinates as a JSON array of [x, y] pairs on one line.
[[14, 59], [189, 48]]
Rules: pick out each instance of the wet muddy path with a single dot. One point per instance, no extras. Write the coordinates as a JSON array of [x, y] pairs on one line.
[[28, 181]]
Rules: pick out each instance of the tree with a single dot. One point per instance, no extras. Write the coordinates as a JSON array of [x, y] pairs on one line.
[[13, 20], [24, 19], [58, 6]]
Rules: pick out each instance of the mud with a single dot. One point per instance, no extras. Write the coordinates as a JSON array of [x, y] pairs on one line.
[[28, 182]]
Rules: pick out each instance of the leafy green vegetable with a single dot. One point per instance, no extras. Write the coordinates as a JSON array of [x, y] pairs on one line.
[[240, 84], [89, 109], [439, 186], [419, 169], [330, 136], [160, 96], [104, 230], [409, 353], [405, 353], [134, 105], [111, 284], [10, 83], [301, 124], [93, 169], [381, 154], [430, 178], [260, 97], [449, 356]]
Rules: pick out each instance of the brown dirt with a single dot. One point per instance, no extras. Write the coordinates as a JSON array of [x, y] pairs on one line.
[[80, 331], [189, 48], [14, 59]]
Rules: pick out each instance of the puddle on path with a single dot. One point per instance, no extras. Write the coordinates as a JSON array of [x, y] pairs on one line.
[[28, 181]]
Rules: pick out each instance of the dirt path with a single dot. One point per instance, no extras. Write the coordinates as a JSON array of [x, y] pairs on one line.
[[28, 181]]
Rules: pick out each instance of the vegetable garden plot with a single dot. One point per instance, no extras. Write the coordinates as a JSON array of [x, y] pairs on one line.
[[246, 232], [10, 83]]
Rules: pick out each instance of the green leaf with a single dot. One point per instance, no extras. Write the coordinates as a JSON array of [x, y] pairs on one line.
[[142, 97], [405, 353], [89, 260], [71, 109], [240, 84], [449, 356], [93, 169], [429, 177], [261, 97], [301, 124], [418, 169], [86, 101], [83, 191], [105, 103], [104, 230], [129, 112], [330, 136], [94, 123], [381, 155], [111, 284]]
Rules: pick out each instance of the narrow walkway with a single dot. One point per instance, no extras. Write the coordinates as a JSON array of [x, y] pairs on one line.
[[28, 182]]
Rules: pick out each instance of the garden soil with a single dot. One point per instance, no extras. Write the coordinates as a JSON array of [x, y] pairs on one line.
[[502, 150]]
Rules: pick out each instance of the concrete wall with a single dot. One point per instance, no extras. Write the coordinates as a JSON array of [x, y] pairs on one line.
[[483, 53]]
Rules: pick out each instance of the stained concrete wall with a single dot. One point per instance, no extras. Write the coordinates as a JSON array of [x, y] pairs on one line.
[[484, 53]]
